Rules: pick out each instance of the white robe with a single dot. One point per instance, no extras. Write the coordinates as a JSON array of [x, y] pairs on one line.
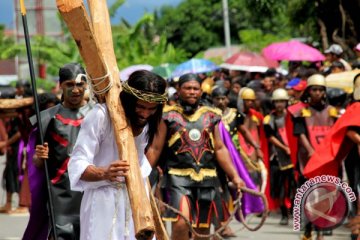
[[105, 210]]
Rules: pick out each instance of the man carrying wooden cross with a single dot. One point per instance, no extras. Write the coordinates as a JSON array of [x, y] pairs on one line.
[[93, 168]]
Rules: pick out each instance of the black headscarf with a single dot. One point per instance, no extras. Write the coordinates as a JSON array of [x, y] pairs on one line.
[[70, 71]]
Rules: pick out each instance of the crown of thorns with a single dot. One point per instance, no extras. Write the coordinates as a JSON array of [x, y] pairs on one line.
[[144, 95]]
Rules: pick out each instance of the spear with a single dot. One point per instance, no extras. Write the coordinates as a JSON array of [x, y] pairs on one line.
[[37, 111]]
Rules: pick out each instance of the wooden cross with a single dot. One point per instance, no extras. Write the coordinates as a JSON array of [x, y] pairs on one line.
[[94, 41]]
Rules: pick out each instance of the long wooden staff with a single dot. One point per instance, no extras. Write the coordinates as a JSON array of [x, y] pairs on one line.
[[37, 111], [100, 65], [102, 27]]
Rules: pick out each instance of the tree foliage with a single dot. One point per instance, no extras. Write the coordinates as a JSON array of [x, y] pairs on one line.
[[5, 42], [133, 44], [255, 39], [196, 25], [139, 44]]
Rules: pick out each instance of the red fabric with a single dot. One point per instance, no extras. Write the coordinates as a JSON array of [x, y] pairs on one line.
[[317, 135], [335, 147], [61, 171], [69, 121], [301, 86], [274, 203], [264, 144], [293, 111], [62, 141]]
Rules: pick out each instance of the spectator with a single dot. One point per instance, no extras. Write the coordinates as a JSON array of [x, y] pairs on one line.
[[333, 53]]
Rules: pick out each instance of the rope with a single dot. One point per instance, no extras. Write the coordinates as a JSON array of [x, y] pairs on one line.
[[237, 208], [100, 80]]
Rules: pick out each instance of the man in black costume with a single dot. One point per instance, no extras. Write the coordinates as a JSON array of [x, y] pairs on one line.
[[61, 125]]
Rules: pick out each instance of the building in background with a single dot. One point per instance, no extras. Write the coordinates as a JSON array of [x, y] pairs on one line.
[[42, 19]]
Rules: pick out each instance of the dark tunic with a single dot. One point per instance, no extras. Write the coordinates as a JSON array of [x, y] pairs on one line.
[[61, 134], [11, 172], [190, 166], [282, 178]]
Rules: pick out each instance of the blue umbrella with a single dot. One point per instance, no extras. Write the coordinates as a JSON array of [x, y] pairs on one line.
[[194, 65]]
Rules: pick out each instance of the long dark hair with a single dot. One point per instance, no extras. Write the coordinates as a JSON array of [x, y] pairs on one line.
[[145, 81]]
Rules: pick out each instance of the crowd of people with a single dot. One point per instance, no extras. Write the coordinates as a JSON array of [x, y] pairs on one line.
[[280, 128]]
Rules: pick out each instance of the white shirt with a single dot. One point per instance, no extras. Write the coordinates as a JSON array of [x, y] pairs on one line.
[[105, 210]]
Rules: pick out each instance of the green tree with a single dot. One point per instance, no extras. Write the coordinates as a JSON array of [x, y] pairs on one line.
[[138, 44], [5, 42], [196, 25], [324, 21], [255, 39], [46, 50], [133, 44]]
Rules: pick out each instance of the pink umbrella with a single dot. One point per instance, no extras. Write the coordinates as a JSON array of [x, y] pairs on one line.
[[292, 51], [249, 61]]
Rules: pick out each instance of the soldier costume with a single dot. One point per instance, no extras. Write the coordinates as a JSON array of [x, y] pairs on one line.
[[282, 180], [190, 166], [61, 125], [314, 121]]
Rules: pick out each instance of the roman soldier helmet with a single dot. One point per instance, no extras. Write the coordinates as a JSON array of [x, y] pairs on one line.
[[247, 94], [316, 80], [280, 94], [207, 85], [313, 80]]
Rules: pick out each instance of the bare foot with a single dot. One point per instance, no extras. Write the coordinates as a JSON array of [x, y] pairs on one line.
[[6, 208], [19, 210]]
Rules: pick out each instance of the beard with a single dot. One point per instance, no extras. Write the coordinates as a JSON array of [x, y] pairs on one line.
[[189, 108], [140, 123]]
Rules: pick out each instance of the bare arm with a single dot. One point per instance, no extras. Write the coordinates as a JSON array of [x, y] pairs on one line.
[[305, 142], [13, 138], [248, 137], [3, 137], [354, 136], [154, 150], [111, 173], [3, 133], [279, 144], [224, 159]]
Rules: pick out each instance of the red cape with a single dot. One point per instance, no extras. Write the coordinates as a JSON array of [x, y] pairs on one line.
[[264, 145], [335, 147], [293, 111], [263, 141]]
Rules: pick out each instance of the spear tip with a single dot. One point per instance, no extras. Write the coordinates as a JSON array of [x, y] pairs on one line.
[[22, 8]]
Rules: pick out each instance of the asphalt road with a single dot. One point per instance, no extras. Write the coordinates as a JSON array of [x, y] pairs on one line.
[[12, 227]]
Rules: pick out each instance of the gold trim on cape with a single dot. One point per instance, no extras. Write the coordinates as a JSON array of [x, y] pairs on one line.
[[176, 136], [287, 167], [230, 116], [190, 172], [194, 117]]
